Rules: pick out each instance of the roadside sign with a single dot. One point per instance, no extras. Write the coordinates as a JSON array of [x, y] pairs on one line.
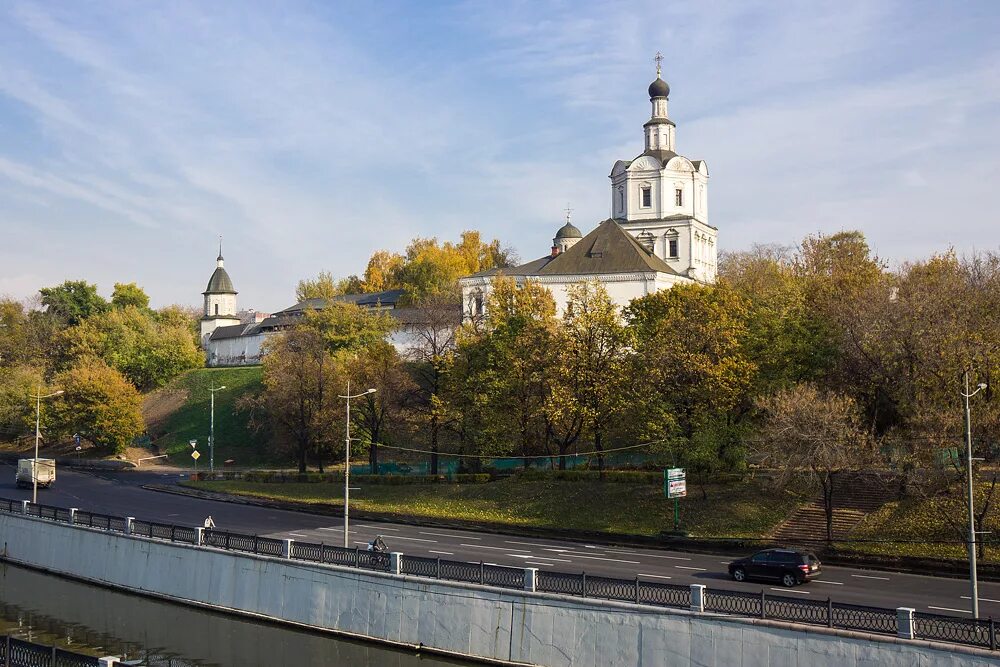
[[195, 455], [194, 444], [674, 483]]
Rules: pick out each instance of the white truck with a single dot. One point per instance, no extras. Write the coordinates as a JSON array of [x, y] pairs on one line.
[[28, 469]]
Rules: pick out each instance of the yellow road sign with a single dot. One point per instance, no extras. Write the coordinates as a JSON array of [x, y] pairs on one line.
[[195, 454]]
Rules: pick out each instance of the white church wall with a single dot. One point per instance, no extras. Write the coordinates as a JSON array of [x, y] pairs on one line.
[[240, 351]]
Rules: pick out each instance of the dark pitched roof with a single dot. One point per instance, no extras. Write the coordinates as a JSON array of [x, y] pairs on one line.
[[220, 283], [388, 298], [230, 331], [607, 249]]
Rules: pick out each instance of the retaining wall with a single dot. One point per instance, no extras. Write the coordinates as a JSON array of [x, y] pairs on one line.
[[471, 620]]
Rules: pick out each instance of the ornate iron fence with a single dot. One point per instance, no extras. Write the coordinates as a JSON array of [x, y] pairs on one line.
[[980, 633], [20, 653]]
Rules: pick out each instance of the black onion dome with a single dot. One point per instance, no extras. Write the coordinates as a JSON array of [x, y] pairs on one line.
[[569, 231], [659, 88]]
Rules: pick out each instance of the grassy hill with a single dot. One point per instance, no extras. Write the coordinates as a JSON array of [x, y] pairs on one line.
[[180, 411]]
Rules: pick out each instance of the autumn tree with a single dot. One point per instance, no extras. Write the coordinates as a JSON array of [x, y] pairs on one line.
[[129, 294], [99, 404], [379, 367], [813, 435], [591, 371], [17, 384], [346, 327], [299, 402]]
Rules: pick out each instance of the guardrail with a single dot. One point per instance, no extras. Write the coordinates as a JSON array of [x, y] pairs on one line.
[[16, 652], [902, 622]]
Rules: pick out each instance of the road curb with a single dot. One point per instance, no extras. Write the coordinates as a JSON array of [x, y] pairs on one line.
[[722, 547]]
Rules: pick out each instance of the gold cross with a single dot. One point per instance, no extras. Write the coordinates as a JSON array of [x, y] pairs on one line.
[[659, 59], [568, 211]]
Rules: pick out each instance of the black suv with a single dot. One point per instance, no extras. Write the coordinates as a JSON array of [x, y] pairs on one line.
[[788, 566]]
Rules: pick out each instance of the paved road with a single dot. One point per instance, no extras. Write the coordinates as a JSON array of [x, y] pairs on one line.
[[122, 494]]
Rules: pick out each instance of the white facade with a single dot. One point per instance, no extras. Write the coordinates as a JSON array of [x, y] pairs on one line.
[[661, 198], [220, 301]]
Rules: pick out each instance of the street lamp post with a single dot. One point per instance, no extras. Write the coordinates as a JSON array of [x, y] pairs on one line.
[[347, 459], [34, 463], [211, 429], [973, 577]]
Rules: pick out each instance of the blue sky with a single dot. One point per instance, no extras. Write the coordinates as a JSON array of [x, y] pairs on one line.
[[309, 134]]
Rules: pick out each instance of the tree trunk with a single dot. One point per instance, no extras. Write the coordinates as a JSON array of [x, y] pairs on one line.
[[599, 446], [303, 449], [373, 457], [828, 506], [435, 426]]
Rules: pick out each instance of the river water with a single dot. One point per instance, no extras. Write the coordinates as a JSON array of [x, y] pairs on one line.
[[97, 621]]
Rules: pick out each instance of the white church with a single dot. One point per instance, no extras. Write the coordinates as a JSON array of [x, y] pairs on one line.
[[658, 234]]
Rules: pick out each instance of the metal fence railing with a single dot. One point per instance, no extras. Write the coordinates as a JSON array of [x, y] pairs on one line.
[[971, 632], [16, 652]]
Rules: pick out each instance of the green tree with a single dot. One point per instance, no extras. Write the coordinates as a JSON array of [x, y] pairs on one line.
[[691, 366], [99, 404], [129, 294], [345, 327], [73, 301], [17, 414], [381, 414], [148, 352]]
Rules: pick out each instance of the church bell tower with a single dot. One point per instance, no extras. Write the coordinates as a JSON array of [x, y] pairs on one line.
[[220, 300]]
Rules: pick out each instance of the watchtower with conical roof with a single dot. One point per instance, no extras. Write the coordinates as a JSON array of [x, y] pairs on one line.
[[220, 300]]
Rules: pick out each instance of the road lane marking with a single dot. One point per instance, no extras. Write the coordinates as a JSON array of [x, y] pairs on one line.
[[791, 590], [299, 534], [557, 550], [865, 576], [530, 557], [412, 539], [966, 597], [528, 562], [527, 544], [688, 567], [960, 611], [824, 581], [655, 576], [361, 525], [645, 555], [445, 553], [610, 560], [332, 530], [463, 537], [483, 546]]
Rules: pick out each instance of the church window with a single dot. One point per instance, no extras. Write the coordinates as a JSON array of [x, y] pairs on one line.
[[216, 309], [621, 198], [679, 197], [647, 197], [479, 304], [672, 247]]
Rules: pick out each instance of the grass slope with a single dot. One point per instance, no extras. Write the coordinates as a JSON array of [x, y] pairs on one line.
[[638, 509], [180, 412]]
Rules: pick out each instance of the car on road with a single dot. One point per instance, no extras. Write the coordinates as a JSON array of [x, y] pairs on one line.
[[788, 566]]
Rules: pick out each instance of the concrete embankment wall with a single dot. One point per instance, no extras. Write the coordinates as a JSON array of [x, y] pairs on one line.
[[535, 628]]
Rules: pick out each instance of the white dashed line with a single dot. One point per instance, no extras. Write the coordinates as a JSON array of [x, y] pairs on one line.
[[443, 535], [483, 546], [642, 555], [530, 557], [610, 560], [865, 576], [966, 597], [527, 544], [361, 525], [443, 553], [528, 562], [655, 576], [824, 581], [687, 567], [960, 611], [791, 590], [332, 530], [412, 539], [298, 534]]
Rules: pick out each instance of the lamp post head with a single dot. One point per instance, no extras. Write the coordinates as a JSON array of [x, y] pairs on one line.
[[371, 391], [57, 393], [982, 385], [222, 387]]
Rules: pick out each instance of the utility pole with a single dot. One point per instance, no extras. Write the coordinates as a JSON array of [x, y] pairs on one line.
[[34, 463], [347, 460], [973, 577], [211, 429]]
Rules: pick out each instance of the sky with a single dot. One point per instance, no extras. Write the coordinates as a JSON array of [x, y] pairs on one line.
[[309, 134]]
